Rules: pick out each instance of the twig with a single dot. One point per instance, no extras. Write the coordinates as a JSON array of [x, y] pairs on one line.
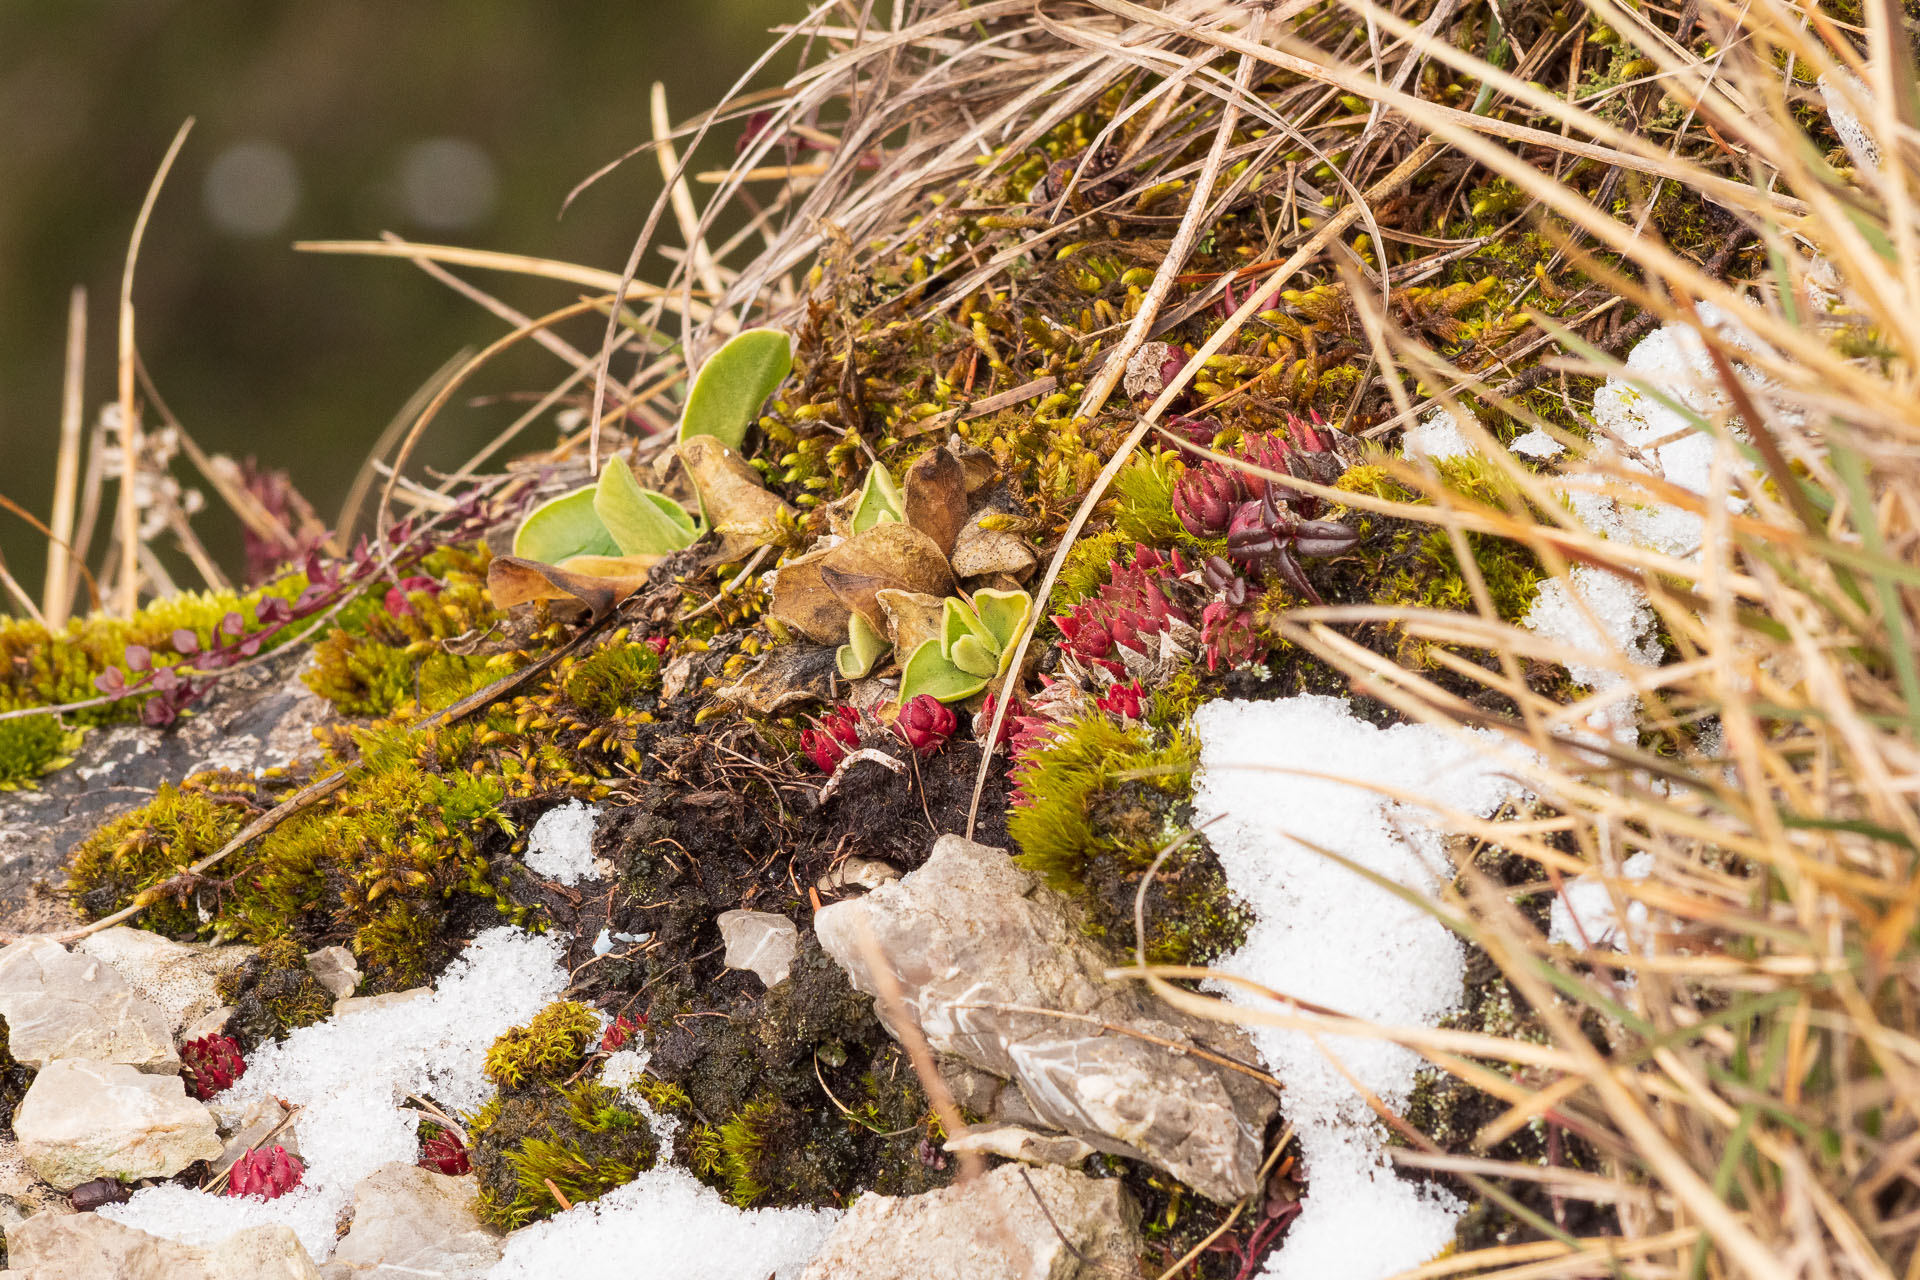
[[56, 594]]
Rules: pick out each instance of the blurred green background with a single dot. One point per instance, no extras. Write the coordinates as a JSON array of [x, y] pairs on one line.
[[458, 121]]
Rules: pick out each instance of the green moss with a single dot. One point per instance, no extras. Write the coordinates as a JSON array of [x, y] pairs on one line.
[[1143, 498], [533, 1146], [548, 1048], [614, 678], [273, 993], [183, 823], [34, 745]]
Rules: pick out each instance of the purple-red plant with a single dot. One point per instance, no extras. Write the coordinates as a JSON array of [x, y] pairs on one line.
[[617, 1033], [444, 1153], [1123, 700], [983, 720], [396, 601], [832, 736], [211, 1064], [268, 1174], [925, 724], [1133, 607]]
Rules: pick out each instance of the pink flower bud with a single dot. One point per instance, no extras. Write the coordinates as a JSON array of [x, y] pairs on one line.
[[925, 724]]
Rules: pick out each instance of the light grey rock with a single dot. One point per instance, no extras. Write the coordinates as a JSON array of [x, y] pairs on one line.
[[211, 1023], [992, 1228], [22, 1187], [85, 1120], [61, 1005], [857, 873], [411, 1223], [761, 943], [85, 1246], [970, 934], [336, 969], [1017, 1142], [354, 1005], [174, 977]]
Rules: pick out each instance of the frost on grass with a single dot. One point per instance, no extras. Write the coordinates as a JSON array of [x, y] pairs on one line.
[[1324, 934], [561, 846], [664, 1225], [349, 1075]]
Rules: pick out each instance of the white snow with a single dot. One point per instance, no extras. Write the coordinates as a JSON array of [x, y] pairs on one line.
[[1537, 444], [349, 1075], [1437, 436], [1583, 915], [664, 1225], [1325, 935], [1626, 629], [561, 846]]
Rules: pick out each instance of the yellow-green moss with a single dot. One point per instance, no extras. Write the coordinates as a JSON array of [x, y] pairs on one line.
[[182, 824], [548, 1048], [579, 1141]]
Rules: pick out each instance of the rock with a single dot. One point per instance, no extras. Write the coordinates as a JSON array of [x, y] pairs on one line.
[[263, 1122], [84, 1120], [760, 942], [857, 873], [212, 1023], [969, 930], [366, 1004], [337, 970], [21, 1187], [59, 1005], [174, 977], [84, 1246], [1016, 1142], [415, 1224], [993, 1228]]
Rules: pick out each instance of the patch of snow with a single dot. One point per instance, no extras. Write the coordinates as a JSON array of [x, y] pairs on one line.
[[561, 846], [1323, 934], [1582, 914], [623, 1068], [1537, 444], [1860, 144], [349, 1075], [664, 1225], [1626, 622], [1437, 436]]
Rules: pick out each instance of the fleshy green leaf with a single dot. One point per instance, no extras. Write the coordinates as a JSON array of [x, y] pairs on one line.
[[733, 383], [957, 622], [1002, 613], [974, 658], [879, 500], [927, 672], [564, 527], [641, 522], [863, 648]]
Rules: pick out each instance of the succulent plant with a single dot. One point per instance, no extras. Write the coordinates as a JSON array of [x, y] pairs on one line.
[[443, 1152], [1123, 700], [973, 648], [619, 1031], [831, 737], [733, 384], [211, 1064], [269, 1174], [925, 724]]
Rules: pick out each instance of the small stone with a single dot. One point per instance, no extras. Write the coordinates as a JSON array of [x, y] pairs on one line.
[[761, 943], [22, 1188], [857, 873], [175, 977], [993, 1227], [89, 1196], [84, 1246], [413, 1222], [1017, 1142], [212, 1023], [973, 941], [84, 1120], [58, 1005], [354, 1005], [336, 969]]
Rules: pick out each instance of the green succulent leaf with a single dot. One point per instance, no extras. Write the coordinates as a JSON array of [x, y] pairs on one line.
[[640, 521], [927, 671], [957, 622], [1002, 614], [562, 528], [879, 500], [974, 658], [733, 383], [863, 648]]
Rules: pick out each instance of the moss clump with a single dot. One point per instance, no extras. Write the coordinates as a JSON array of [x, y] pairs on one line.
[[1103, 797], [272, 994], [34, 745], [136, 851], [579, 1141], [612, 679], [410, 652], [548, 1048]]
